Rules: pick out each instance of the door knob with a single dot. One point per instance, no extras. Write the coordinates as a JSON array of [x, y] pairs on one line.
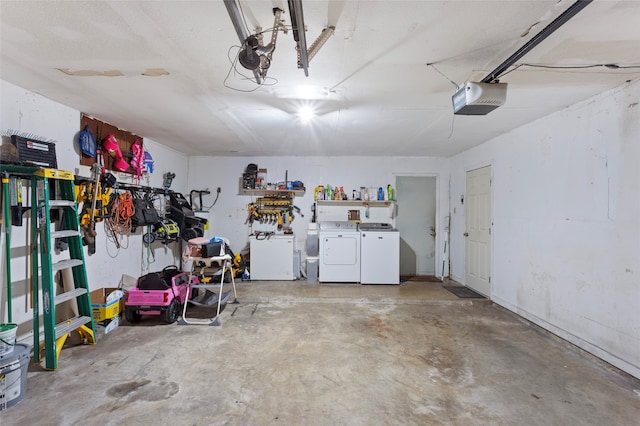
[[466, 234]]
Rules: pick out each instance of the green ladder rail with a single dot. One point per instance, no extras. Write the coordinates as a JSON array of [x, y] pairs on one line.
[[43, 240], [7, 238], [11, 172]]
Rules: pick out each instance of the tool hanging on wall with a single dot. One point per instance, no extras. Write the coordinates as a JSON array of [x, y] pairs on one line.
[[276, 210], [90, 230], [447, 222], [165, 230], [168, 179], [199, 207], [119, 222], [253, 214], [15, 200], [181, 212], [94, 196]]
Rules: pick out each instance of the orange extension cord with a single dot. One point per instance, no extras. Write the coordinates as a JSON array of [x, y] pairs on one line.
[[122, 210]]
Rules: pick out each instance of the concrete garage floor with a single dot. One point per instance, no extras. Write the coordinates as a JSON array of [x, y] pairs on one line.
[[306, 354]]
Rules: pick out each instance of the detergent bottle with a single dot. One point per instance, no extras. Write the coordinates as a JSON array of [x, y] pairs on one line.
[[389, 192], [380, 194]]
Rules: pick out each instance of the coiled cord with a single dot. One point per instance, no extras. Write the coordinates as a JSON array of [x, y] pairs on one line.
[[122, 210]]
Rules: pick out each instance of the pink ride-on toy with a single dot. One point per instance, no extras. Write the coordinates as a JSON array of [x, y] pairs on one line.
[[158, 293]]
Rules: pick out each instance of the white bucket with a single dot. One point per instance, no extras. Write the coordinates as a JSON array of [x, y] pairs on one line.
[[7, 338]]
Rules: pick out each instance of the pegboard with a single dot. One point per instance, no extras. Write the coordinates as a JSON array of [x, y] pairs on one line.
[[101, 130]]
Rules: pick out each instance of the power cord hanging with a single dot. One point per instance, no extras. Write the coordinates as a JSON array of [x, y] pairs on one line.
[[234, 68]]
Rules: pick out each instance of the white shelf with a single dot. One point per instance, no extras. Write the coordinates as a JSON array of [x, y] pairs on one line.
[[372, 203], [276, 192], [269, 192]]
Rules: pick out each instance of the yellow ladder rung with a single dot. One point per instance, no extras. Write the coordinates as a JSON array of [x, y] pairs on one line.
[[54, 174]]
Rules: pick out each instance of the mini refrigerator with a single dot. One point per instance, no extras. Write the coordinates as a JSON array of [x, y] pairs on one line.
[[272, 257]]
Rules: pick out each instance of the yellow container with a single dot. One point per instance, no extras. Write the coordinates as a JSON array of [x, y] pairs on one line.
[[105, 303]]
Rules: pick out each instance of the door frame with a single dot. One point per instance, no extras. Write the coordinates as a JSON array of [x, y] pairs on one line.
[[438, 238], [468, 168]]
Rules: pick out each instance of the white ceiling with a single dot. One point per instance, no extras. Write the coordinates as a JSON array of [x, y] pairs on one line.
[[372, 88]]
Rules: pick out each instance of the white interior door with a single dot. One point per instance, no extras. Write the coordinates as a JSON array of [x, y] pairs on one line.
[[416, 221], [478, 230]]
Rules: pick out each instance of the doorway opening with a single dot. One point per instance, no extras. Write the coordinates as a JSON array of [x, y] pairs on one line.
[[416, 221]]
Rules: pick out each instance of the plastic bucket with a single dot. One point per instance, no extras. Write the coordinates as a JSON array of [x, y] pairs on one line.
[[13, 376], [7, 338]]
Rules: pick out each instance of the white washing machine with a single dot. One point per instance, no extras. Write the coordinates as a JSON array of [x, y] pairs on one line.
[[379, 254], [339, 257]]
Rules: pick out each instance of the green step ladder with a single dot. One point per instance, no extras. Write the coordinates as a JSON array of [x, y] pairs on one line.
[[43, 241]]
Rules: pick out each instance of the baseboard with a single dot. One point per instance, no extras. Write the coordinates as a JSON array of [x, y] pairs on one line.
[[571, 338], [459, 280]]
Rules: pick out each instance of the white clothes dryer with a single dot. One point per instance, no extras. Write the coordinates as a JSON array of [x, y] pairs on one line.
[[339, 257]]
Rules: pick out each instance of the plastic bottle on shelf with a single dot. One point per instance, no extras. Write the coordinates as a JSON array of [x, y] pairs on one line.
[[389, 192], [380, 194], [329, 193]]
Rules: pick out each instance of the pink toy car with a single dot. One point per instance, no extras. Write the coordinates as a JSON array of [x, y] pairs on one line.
[[158, 293]]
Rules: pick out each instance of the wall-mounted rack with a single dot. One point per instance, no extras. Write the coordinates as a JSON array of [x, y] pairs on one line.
[[129, 187]]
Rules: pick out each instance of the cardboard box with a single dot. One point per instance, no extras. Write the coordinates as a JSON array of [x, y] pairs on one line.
[[108, 326], [105, 303], [127, 282]]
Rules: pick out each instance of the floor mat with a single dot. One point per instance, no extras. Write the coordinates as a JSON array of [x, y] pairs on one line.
[[422, 278], [463, 292]]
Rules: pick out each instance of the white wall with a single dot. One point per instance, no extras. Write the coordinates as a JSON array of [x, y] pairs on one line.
[[566, 214], [566, 235], [227, 217], [28, 112]]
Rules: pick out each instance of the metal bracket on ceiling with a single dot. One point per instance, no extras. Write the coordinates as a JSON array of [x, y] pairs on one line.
[[297, 22], [278, 25], [318, 43], [256, 57]]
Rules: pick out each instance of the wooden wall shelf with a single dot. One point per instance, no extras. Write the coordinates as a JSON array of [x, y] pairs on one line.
[[266, 192], [372, 203]]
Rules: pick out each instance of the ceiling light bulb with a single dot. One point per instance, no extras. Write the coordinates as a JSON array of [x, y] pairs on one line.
[[306, 114]]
